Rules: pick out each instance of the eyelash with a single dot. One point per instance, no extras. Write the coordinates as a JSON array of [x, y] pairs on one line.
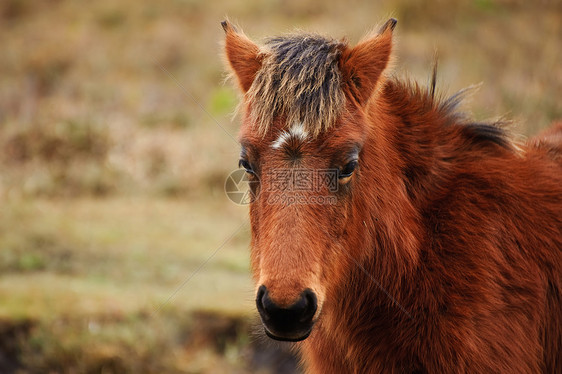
[[345, 174], [247, 166], [348, 169]]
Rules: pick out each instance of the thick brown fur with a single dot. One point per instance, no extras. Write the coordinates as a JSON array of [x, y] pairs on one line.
[[443, 253]]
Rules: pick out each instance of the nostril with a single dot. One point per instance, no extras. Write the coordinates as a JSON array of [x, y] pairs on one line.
[[310, 305], [262, 294]]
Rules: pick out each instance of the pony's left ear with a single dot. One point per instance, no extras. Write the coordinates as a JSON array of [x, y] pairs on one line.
[[363, 65], [242, 55]]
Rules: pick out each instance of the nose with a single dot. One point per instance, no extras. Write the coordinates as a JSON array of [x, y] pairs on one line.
[[292, 323]]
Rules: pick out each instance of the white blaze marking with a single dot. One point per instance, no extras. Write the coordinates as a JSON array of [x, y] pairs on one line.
[[280, 140], [296, 131]]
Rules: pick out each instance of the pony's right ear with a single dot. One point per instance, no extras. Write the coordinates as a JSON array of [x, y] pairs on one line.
[[242, 55]]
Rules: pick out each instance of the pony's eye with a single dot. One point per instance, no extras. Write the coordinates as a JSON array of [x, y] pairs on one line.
[[347, 171], [246, 165]]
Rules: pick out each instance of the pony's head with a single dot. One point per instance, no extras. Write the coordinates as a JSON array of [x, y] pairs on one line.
[[303, 133]]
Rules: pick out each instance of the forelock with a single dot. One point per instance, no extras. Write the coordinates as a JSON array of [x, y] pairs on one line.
[[299, 80]]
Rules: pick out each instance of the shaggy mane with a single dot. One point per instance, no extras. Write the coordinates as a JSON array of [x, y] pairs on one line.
[[405, 93], [300, 80]]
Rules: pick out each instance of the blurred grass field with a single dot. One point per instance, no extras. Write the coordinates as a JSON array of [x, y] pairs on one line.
[[115, 143]]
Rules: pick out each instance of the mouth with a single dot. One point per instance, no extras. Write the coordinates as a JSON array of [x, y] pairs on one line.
[[288, 337]]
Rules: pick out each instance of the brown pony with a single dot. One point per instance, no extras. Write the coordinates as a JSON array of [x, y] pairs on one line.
[[390, 233]]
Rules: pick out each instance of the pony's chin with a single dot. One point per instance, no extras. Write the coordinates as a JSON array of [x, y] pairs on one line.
[[287, 338]]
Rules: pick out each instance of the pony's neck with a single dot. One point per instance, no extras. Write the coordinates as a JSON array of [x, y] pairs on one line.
[[421, 139], [412, 153], [405, 164], [429, 137]]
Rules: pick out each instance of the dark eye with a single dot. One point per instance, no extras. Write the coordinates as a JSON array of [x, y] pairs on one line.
[[246, 165], [345, 173]]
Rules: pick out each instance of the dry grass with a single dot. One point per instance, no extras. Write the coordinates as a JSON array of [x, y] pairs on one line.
[[113, 163]]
